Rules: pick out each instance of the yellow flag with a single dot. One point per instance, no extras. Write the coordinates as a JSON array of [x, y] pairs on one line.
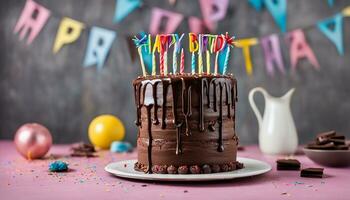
[[68, 31], [346, 11], [245, 45]]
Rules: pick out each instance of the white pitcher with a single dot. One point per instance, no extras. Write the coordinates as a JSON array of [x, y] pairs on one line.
[[277, 132]]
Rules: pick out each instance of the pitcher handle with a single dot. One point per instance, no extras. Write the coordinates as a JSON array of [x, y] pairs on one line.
[[253, 105]]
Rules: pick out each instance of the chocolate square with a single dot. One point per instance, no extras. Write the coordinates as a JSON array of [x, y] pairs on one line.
[[312, 172]]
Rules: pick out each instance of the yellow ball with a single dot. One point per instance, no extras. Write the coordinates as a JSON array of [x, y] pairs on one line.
[[105, 129]]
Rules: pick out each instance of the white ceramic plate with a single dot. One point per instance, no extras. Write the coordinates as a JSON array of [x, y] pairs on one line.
[[125, 169]]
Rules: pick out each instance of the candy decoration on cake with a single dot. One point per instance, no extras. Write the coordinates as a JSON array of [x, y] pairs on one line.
[[196, 108]]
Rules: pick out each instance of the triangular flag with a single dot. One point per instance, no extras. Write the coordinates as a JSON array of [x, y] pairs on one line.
[[346, 11], [197, 25], [335, 35], [123, 8], [164, 21], [273, 55], [299, 49], [257, 4], [213, 11], [330, 2], [278, 10], [99, 43], [68, 32], [32, 20]]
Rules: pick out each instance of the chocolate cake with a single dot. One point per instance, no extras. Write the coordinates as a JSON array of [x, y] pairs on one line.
[[186, 123]]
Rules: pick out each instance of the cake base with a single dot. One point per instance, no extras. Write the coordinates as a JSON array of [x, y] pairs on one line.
[[193, 169]]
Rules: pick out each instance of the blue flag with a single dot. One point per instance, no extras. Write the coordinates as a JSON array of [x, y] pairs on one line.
[[257, 4], [330, 2], [278, 10], [99, 44], [335, 35], [123, 8]]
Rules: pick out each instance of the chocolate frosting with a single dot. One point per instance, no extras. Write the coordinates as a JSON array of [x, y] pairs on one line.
[[197, 124]]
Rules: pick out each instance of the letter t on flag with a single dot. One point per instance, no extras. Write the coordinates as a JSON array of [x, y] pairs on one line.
[[245, 45], [33, 17], [68, 32], [100, 41]]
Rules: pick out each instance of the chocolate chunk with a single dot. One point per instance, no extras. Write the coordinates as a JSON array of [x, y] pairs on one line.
[[83, 150], [182, 169], [195, 169], [326, 134], [342, 147], [239, 165], [337, 141], [206, 169], [288, 164], [215, 168], [312, 172], [159, 169], [224, 168], [172, 169], [327, 146]]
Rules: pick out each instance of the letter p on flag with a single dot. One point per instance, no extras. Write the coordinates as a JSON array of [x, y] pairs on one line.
[[33, 18]]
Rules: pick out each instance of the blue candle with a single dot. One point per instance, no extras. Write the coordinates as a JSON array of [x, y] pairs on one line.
[[226, 60], [193, 63]]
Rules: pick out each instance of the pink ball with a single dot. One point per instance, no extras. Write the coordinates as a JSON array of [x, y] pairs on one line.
[[33, 140]]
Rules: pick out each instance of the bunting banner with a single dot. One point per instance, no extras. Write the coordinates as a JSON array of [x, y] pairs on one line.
[[33, 18], [272, 52], [68, 32], [277, 8], [164, 21], [213, 11], [335, 35], [124, 7], [245, 44], [299, 49], [197, 25], [99, 43], [257, 4]]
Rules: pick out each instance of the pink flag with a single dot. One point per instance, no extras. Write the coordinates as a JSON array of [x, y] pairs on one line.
[[33, 17], [272, 51], [213, 11], [197, 25], [299, 48], [164, 21]]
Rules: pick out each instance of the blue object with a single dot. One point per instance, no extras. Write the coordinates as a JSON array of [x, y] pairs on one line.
[[335, 35], [99, 43], [278, 10], [120, 147], [257, 4], [58, 166]]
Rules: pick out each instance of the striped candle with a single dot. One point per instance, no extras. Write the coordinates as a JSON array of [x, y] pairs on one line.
[[193, 63], [165, 63], [200, 63], [153, 64], [175, 60], [208, 61], [216, 63], [161, 66], [226, 60], [182, 63], [142, 62]]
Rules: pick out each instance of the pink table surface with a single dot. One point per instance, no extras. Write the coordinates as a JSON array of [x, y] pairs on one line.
[[22, 179]]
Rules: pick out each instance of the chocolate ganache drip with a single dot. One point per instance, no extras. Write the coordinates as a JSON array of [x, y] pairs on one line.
[[216, 91]]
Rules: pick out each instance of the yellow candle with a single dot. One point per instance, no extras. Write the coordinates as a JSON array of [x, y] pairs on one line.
[[208, 61]]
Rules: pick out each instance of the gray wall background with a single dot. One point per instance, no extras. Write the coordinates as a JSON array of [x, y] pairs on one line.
[[55, 90]]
